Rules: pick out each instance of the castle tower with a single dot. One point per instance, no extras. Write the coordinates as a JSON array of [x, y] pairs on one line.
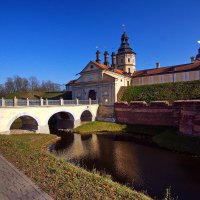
[[125, 56]]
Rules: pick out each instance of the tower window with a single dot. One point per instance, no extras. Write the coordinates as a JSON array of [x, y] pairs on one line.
[[129, 70], [129, 60], [91, 66], [121, 61]]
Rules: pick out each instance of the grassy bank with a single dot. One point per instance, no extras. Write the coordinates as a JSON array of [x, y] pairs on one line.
[[100, 127], [164, 137], [182, 143], [112, 127], [58, 178]]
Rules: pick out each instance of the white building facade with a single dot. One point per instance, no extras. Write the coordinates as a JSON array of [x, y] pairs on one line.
[[102, 82]]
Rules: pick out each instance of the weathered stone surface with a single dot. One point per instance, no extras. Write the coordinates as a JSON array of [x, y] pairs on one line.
[[184, 115], [15, 185]]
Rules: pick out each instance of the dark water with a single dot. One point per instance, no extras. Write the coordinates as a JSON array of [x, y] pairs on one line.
[[140, 166]]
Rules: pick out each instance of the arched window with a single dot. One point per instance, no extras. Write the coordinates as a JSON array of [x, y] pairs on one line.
[[92, 95]]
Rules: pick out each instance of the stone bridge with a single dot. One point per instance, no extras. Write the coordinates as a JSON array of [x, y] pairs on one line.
[[39, 115]]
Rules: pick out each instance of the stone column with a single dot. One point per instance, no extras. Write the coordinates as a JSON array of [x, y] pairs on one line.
[[3, 104], [15, 101], [27, 102], [76, 101], [47, 102], [90, 101], [61, 101], [41, 101]]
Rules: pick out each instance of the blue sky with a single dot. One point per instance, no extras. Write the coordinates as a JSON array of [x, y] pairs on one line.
[[55, 39]]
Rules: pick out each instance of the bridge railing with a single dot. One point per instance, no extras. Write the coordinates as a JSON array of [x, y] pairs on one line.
[[43, 102], [9, 102]]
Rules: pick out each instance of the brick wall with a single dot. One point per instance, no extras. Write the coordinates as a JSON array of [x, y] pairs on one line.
[[184, 115]]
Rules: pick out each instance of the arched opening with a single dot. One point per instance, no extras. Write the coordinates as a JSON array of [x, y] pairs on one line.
[[61, 121], [86, 116], [26, 123], [92, 95]]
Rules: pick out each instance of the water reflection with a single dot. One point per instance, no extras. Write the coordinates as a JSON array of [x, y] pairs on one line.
[[142, 167]]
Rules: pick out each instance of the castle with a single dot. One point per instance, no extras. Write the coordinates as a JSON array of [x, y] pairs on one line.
[[102, 81]]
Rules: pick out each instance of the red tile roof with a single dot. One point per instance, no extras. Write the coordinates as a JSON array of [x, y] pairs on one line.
[[101, 66], [169, 69]]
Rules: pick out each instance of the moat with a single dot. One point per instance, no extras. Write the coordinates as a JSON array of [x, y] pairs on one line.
[[144, 167]]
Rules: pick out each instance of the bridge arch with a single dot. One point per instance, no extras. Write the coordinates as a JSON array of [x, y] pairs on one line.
[[29, 121], [60, 119], [86, 116]]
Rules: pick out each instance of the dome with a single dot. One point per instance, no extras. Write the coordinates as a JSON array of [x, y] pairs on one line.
[[124, 47]]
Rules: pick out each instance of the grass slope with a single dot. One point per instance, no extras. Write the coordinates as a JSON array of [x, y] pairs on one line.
[[181, 143], [34, 95], [166, 91], [58, 178]]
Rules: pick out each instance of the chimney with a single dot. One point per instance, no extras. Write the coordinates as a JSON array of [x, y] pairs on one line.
[[192, 59], [114, 60], [157, 65], [106, 58], [98, 60]]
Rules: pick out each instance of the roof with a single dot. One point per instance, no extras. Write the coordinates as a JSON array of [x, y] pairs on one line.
[[101, 66], [71, 82], [169, 69], [124, 47]]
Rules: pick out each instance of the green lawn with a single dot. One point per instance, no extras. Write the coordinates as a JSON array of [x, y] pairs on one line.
[[164, 137], [58, 178], [100, 127]]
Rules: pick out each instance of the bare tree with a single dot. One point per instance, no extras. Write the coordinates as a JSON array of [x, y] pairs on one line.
[[2, 90], [34, 84], [49, 86], [25, 85], [9, 85], [18, 84]]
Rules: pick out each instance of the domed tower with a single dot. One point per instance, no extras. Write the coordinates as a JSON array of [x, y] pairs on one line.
[[125, 56]]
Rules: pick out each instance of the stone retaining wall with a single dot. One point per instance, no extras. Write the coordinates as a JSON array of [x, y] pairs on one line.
[[184, 115]]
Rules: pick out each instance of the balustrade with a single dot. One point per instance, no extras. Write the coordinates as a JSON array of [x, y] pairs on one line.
[[43, 102]]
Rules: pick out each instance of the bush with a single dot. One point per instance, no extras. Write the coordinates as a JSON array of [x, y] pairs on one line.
[[166, 91]]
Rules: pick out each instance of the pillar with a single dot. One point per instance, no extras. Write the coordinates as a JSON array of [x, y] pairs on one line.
[[41, 101], [61, 101], [15, 101]]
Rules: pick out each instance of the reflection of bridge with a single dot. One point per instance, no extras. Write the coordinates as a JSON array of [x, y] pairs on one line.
[[37, 114]]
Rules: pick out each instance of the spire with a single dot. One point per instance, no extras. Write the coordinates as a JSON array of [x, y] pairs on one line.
[[124, 47], [198, 55]]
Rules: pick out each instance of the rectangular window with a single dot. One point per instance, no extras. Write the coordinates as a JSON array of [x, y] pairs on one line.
[[129, 60], [129, 70], [121, 61], [161, 78], [186, 76], [142, 81]]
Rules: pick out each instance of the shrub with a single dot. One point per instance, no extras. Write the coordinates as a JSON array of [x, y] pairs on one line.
[[166, 91]]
